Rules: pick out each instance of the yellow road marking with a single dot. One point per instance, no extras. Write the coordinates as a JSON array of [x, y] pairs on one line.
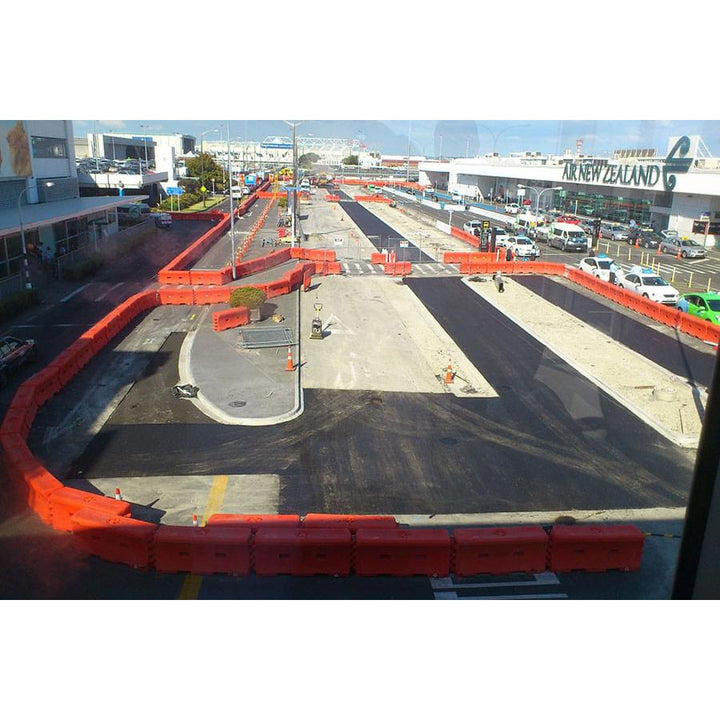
[[191, 585]]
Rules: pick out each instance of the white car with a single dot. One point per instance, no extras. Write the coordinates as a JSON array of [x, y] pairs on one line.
[[512, 208], [649, 284], [524, 247], [599, 267], [502, 238], [472, 225]]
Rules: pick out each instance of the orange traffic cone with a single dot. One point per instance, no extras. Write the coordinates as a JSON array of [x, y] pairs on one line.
[[289, 367], [118, 495], [449, 373], [195, 521], [678, 256], [658, 251]]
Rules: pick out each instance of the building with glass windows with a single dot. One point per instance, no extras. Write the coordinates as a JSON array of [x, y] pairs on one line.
[[679, 191], [41, 210]]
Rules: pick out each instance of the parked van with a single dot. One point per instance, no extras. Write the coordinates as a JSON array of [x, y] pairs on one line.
[[472, 225], [568, 236]]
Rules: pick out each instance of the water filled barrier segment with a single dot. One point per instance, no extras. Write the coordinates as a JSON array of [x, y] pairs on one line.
[[317, 544]]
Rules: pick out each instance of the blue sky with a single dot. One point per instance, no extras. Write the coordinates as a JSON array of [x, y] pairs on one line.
[[450, 137]]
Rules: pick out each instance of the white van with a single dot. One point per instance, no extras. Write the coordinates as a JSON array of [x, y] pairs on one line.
[[472, 225], [512, 208], [568, 236], [527, 223]]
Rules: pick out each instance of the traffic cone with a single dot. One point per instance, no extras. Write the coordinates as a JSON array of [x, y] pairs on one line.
[[118, 495], [449, 373], [678, 256], [195, 520], [289, 367], [658, 251]]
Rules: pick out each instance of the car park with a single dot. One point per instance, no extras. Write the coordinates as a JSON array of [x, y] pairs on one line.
[[523, 247], [644, 237], [14, 353], [686, 248], [703, 305], [599, 266], [512, 208], [649, 284]]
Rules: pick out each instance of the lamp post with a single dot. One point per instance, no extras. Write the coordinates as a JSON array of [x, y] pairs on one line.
[[538, 193], [202, 160], [28, 283], [145, 127], [232, 214], [293, 125]]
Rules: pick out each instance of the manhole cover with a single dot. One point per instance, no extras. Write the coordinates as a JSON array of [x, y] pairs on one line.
[[237, 403]]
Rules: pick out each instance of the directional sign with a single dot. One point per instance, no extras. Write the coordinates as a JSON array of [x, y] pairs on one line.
[[175, 191]]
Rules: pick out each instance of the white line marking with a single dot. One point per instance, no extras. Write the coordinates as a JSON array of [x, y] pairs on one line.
[[75, 292], [107, 292]]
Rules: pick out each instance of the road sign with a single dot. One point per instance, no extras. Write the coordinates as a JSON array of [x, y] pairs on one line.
[[175, 191], [203, 189], [404, 243]]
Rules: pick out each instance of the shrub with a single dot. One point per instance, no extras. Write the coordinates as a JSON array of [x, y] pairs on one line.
[[249, 297], [13, 305]]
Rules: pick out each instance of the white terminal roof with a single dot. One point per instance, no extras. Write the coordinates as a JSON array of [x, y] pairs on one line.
[[38, 214]]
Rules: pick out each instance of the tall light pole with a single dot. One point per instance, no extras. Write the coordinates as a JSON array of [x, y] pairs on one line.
[[232, 214], [145, 127], [407, 170], [202, 160], [293, 125], [28, 283], [538, 193]]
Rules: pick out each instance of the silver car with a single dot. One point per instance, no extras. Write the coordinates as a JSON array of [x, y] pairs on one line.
[[614, 232], [686, 248]]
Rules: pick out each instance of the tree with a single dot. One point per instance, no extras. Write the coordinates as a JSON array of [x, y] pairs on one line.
[[350, 160], [307, 160], [205, 169], [248, 296]]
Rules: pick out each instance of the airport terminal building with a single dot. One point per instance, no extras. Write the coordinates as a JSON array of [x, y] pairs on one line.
[[680, 191]]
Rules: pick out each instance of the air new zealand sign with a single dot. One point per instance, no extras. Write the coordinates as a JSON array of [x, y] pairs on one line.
[[634, 175]]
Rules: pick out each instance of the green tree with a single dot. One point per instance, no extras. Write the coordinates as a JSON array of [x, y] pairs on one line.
[[306, 161], [350, 160], [204, 169], [249, 297]]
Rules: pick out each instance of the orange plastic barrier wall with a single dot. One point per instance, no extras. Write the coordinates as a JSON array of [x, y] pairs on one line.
[[465, 237], [224, 319], [595, 548], [302, 551], [499, 551], [381, 551], [255, 522]]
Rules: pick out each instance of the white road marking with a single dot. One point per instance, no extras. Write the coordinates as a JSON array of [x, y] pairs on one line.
[[75, 292], [107, 292]]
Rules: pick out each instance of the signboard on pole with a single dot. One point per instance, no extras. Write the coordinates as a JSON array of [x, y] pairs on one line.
[[175, 191]]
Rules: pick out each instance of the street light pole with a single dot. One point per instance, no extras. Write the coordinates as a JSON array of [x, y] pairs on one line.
[[145, 127], [293, 125], [26, 269], [232, 214], [495, 136], [538, 193]]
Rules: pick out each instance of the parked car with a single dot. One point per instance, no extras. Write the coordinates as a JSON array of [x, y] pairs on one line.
[[649, 284], [524, 247], [645, 237], [703, 305], [14, 353], [669, 234], [600, 267], [686, 248], [472, 225], [613, 232], [512, 208]]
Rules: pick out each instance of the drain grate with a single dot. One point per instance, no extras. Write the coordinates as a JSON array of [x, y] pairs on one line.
[[266, 337], [237, 403]]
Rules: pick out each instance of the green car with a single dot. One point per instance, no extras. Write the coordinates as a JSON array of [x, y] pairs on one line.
[[703, 305]]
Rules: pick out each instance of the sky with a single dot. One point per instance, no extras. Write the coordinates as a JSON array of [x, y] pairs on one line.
[[449, 138]]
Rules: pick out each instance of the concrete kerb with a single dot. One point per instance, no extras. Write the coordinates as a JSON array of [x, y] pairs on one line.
[[213, 411], [682, 440]]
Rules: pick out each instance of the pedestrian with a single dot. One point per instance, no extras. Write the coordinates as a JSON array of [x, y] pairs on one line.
[[508, 255]]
